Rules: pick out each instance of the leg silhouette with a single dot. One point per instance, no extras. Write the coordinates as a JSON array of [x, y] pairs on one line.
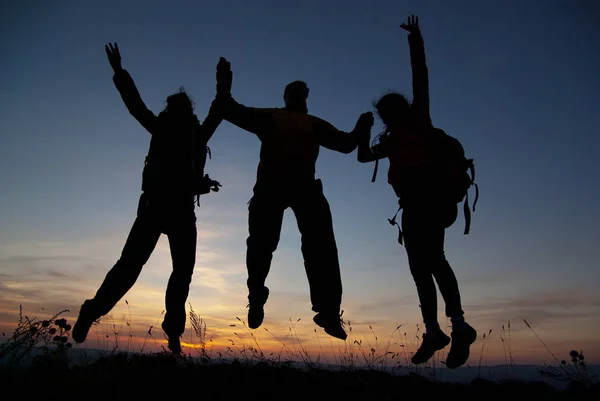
[[265, 218], [182, 243], [424, 242], [139, 246], [320, 254], [424, 232]]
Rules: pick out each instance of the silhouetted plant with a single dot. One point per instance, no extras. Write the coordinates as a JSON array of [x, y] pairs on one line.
[[47, 342], [50, 336], [199, 329], [573, 371]]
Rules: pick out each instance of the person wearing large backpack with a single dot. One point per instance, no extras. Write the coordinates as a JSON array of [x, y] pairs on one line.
[[173, 176], [429, 174], [290, 142]]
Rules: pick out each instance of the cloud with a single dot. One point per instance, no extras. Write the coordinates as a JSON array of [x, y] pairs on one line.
[[61, 274], [558, 303], [557, 314], [486, 277]]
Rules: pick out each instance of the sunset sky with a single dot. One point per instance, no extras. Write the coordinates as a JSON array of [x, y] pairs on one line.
[[515, 81]]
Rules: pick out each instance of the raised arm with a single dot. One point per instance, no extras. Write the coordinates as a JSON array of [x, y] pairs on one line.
[[420, 75], [367, 153], [212, 121], [129, 93], [215, 114], [340, 141], [251, 119]]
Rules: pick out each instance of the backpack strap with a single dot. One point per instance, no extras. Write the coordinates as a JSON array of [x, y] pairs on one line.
[[375, 170], [212, 184], [393, 222], [466, 210], [472, 170], [379, 137], [467, 213]]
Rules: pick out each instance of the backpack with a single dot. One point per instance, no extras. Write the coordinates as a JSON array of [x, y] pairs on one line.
[[458, 172], [202, 183]]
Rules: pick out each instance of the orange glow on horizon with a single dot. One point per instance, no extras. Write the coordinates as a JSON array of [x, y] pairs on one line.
[[361, 348]]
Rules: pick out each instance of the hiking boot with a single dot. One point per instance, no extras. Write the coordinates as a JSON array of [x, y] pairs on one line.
[[86, 318], [432, 342], [460, 348], [256, 312], [332, 323], [173, 342]]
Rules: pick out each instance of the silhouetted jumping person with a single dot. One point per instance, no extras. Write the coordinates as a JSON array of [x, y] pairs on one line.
[[429, 204], [173, 175], [290, 142]]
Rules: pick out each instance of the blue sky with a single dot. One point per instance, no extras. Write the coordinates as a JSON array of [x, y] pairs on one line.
[[516, 82]]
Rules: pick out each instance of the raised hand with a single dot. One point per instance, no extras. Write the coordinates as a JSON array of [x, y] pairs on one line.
[[412, 25], [224, 77], [366, 120], [114, 57]]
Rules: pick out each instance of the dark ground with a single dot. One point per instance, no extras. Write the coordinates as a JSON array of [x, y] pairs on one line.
[[162, 377]]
